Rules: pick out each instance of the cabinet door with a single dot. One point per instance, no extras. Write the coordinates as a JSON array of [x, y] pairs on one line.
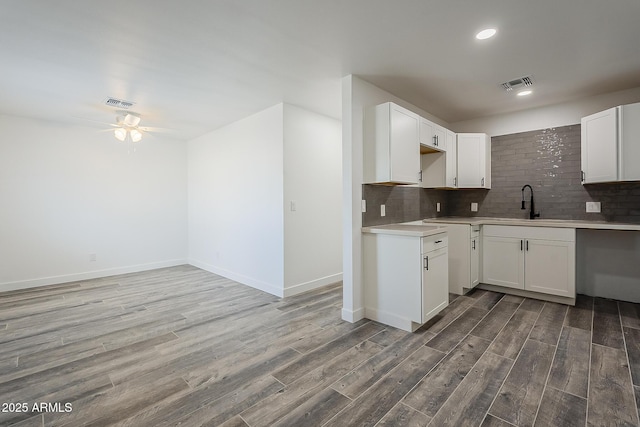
[[599, 156], [404, 146], [427, 135], [629, 149], [440, 136], [471, 151], [549, 267], [475, 262], [435, 283], [503, 261], [451, 169]]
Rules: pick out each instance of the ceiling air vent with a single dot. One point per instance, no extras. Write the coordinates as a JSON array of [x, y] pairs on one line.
[[118, 103], [521, 82]]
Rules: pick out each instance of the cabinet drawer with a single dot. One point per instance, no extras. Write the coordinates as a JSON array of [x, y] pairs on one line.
[[524, 232], [437, 241], [475, 231]]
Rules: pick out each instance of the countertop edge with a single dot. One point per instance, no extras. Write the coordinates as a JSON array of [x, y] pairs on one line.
[[401, 232], [536, 223]]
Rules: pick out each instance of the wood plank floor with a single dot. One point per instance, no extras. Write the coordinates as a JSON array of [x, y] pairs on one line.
[[180, 346]]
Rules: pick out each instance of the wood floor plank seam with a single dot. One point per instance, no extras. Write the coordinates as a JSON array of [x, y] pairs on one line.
[[546, 381], [487, 349], [514, 364], [566, 392], [626, 352], [403, 402], [454, 390], [381, 380], [586, 421], [452, 349], [495, 416]]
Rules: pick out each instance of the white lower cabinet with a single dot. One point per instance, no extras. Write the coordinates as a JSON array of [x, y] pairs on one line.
[[405, 278], [474, 264], [536, 259], [435, 283], [464, 250]]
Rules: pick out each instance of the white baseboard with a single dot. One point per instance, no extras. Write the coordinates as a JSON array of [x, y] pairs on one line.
[[87, 275], [352, 316], [249, 281], [313, 284]]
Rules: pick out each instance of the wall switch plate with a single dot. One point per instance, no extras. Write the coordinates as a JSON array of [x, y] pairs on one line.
[[438, 207], [364, 205], [93, 257], [593, 206], [474, 207], [293, 206], [383, 210]]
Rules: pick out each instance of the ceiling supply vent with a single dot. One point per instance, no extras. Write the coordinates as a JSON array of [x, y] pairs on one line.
[[118, 103], [521, 82]]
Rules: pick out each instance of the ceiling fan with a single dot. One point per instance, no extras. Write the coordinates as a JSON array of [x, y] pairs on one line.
[[127, 126]]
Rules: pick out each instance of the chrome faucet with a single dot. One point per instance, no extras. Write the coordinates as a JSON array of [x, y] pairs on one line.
[[532, 214]]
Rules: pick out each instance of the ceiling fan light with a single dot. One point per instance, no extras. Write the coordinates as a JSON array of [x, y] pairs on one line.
[[486, 34], [120, 134], [131, 120], [136, 135]]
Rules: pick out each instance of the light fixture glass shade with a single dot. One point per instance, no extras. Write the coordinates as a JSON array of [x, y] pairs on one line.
[[136, 135], [120, 134], [525, 92], [486, 34]]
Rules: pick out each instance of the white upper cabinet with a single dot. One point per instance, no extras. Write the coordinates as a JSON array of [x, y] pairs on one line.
[[432, 136], [610, 145], [474, 160], [391, 145], [451, 168], [439, 169]]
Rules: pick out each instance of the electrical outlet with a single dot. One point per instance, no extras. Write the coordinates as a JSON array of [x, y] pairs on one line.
[[364, 206], [593, 207], [474, 207], [383, 210], [438, 207]]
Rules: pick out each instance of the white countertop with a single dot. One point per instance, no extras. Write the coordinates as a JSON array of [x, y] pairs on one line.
[[405, 229], [564, 223]]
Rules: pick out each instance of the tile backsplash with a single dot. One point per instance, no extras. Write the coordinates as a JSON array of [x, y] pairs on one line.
[[402, 203], [547, 159]]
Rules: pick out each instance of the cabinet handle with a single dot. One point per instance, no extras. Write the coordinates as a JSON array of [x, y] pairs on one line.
[[438, 241], [482, 182], [435, 140], [455, 181], [582, 173], [473, 245], [521, 244], [420, 176], [426, 263], [527, 245]]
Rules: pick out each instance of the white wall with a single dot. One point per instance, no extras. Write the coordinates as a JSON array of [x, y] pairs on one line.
[[70, 191], [313, 182], [236, 224], [358, 94], [546, 117]]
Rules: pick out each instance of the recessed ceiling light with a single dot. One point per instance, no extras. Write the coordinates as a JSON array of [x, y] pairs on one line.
[[525, 92], [486, 34]]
